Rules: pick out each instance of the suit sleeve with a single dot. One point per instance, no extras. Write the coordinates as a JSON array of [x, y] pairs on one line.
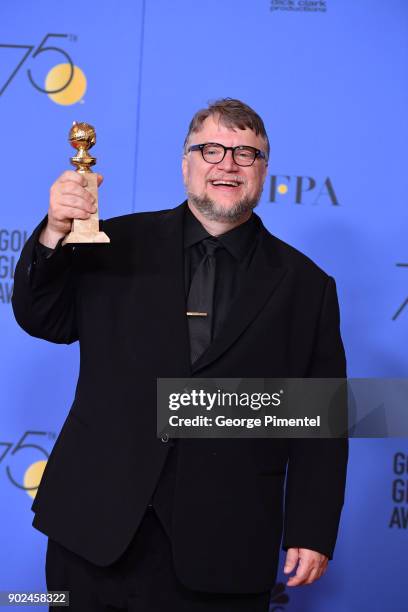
[[43, 298], [316, 475]]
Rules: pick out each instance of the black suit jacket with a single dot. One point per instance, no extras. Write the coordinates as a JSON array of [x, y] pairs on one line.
[[125, 303]]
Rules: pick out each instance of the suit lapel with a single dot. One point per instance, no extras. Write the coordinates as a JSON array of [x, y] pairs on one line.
[[261, 279]]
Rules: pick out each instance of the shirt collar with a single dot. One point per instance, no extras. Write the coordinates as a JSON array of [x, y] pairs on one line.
[[237, 241]]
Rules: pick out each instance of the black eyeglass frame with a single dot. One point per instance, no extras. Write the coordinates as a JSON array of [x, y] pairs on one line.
[[200, 147]]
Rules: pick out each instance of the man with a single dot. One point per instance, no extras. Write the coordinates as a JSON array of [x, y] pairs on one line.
[[139, 523]]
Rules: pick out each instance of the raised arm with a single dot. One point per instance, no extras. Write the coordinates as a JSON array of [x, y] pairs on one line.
[[44, 283]]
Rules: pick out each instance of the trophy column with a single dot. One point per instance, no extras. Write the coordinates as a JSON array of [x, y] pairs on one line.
[[82, 137]]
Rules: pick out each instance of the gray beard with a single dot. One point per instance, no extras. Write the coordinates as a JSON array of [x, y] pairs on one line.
[[214, 212]]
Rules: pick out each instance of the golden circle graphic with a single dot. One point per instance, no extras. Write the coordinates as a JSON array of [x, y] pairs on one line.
[[58, 76], [282, 188], [33, 475]]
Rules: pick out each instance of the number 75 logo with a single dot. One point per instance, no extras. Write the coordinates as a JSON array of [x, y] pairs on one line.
[[58, 79], [21, 454]]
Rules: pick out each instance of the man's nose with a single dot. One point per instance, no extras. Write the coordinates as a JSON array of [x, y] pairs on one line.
[[228, 163]]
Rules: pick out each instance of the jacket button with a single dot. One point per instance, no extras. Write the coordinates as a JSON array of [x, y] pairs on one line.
[[164, 438]]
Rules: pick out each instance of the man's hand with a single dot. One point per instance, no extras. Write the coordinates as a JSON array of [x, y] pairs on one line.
[[68, 200], [312, 565]]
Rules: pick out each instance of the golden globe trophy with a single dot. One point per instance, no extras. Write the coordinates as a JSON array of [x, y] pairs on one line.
[[82, 137]]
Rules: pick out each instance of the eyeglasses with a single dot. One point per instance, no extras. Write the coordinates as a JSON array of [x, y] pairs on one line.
[[214, 153]]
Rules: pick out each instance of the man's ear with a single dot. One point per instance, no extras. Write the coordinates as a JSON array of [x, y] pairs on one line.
[[184, 168], [265, 171]]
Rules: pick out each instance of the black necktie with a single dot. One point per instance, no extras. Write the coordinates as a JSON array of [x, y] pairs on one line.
[[201, 300]]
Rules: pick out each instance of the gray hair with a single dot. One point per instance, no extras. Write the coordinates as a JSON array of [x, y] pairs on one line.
[[232, 114]]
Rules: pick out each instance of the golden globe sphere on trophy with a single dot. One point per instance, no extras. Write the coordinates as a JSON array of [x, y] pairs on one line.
[[82, 137]]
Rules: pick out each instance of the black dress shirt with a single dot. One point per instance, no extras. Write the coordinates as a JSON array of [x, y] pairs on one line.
[[233, 258]]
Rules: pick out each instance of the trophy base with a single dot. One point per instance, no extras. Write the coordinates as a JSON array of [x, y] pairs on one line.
[[79, 238], [86, 231]]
